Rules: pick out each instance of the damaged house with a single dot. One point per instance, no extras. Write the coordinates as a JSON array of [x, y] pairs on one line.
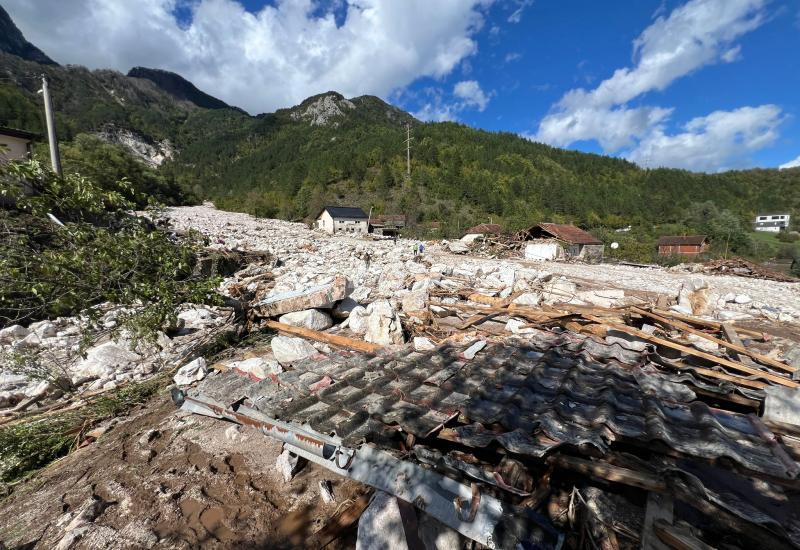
[[551, 241], [388, 225]]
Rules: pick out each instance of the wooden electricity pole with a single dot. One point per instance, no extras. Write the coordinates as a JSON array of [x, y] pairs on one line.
[[408, 151], [52, 139]]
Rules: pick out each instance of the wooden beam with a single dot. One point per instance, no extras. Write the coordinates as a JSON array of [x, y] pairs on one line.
[[708, 324], [333, 339], [678, 538], [733, 365], [609, 472], [659, 508], [737, 347]]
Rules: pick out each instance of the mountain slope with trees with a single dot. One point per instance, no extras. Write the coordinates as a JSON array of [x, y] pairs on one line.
[[332, 150]]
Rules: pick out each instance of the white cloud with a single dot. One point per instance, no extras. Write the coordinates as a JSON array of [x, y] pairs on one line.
[[467, 94], [791, 164], [718, 141], [261, 61], [512, 56], [521, 6], [471, 93], [699, 33]]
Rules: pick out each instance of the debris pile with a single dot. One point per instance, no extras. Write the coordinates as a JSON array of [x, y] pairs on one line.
[[741, 268]]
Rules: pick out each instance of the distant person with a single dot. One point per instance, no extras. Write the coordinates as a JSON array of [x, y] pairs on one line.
[[421, 249]]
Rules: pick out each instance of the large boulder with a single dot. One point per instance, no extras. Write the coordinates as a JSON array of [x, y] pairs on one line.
[[104, 361], [11, 334], [309, 318], [288, 349], [383, 324], [357, 321]]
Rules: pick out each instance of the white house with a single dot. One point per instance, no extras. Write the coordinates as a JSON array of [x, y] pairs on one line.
[[342, 219], [15, 144], [772, 222]]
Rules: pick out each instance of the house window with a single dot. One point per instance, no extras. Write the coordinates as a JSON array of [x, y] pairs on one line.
[[776, 217], [762, 218]]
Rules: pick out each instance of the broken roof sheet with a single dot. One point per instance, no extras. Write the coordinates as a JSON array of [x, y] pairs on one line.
[[530, 398], [567, 233]]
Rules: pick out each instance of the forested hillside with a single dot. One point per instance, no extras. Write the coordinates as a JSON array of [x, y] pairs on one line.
[[333, 150]]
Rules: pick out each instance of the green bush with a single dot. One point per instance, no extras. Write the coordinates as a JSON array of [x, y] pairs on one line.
[[100, 253]]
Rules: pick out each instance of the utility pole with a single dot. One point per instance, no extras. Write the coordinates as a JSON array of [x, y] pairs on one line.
[[408, 151], [52, 139]]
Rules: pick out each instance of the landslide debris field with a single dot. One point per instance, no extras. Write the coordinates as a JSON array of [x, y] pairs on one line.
[[503, 402]]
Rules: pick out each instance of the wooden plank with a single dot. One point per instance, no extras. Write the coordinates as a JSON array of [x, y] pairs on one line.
[[733, 365], [609, 472], [730, 335], [737, 347], [333, 339], [338, 523], [678, 538], [708, 324], [659, 507]]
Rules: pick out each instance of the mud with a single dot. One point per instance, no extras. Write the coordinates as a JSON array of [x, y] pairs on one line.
[[165, 479]]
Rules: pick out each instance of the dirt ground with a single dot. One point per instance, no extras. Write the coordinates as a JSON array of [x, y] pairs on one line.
[[161, 478]]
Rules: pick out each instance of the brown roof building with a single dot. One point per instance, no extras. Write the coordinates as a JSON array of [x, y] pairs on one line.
[[687, 245], [577, 242], [484, 229]]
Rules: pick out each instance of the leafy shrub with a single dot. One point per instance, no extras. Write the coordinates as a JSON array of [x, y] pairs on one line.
[[100, 253]]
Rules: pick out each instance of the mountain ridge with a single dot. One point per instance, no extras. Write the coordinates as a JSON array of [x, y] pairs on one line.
[[12, 41]]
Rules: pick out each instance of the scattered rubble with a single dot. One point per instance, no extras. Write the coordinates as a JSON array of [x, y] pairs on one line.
[[549, 403]]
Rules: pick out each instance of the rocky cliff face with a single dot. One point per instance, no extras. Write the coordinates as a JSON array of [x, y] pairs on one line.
[[12, 41], [179, 87], [152, 153], [323, 109]]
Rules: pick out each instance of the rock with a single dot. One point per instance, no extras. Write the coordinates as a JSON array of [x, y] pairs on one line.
[[610, 297], [310, 318], [423, 344], [435, 535], [442, 268], [457, 247], [695, 295], [440, 311], [415, 300], [288, 349], [528, 299], [319, 296], [729, 297], [378, 526], [257, 367], [727, 315], [196, 317], [684, 310], [344, 308], [560, 290], [234, 433], [383, 324], [507, 276], [358, 320], [11, 334], [326, 491], [104, 360], [191, 372], [44, 329], [30, 342], [471, 351], [289, 464], [360, 294], [742, 299], [702, 344]]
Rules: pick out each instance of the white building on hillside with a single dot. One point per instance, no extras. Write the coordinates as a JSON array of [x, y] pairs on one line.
[[772, 222], [342, 219]]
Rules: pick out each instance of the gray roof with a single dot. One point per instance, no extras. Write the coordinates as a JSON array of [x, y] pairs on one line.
[[345, 212]]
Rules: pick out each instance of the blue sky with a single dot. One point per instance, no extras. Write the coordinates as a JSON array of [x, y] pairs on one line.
[[698, 84]]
